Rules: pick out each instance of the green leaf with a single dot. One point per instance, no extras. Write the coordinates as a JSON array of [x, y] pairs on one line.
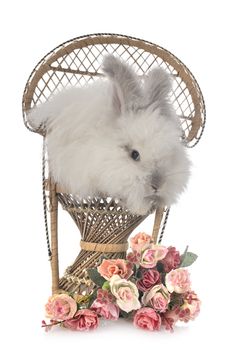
[[92, 297], [163, 275], [160, 267], [182, 257], [125, 314], [106, 285], [96, 277], [187, 259], [138, 273], [135, 270]]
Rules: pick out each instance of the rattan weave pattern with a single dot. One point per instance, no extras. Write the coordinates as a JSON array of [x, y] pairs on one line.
[[78, 61], [99, 220]]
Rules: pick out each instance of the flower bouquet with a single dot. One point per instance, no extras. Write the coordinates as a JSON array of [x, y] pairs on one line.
[[151, 287]]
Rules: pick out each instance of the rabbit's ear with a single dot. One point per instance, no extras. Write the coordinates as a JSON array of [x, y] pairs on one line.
[[157, 87], [126, 87]]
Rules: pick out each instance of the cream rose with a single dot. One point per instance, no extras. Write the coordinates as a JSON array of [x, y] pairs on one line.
[[125, 292]]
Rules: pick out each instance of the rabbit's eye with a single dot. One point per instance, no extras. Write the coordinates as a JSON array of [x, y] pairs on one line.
[[135, 155]]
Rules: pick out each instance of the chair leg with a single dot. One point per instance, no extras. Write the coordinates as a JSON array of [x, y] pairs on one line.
[[54, 237], [157, 223]]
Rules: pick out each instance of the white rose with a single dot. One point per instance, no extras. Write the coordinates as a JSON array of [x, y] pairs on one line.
[[126, 293]]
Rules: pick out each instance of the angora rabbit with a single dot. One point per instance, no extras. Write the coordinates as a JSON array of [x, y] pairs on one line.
[[119, 138]]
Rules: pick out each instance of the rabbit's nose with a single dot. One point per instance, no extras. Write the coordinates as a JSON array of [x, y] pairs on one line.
[[156, 180]]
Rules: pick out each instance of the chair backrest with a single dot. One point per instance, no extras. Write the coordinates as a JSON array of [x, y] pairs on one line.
[[78, 61]]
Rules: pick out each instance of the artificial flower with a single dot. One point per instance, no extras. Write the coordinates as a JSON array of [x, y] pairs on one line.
[[111, 267], [157, 297], [140, 242], [133, 257], [104, 306], [190, 308], [169, 318], [148, 279], [125, 292], [178, 281], [171, 260], [60, 307], [152, 255], [147, 318], [84, 319]]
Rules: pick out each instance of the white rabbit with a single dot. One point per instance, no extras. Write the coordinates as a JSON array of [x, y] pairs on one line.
[[117, 137]]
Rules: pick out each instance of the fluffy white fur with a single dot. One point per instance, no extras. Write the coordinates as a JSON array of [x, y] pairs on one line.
[[91, 132]]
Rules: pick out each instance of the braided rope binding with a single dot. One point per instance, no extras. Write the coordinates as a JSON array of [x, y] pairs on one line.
[[45, 199], [167, 210]]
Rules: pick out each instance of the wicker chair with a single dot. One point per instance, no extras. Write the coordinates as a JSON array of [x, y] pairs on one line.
[[103, 224]]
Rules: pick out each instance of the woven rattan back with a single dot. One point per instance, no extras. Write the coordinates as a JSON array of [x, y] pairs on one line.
[[78, 62]]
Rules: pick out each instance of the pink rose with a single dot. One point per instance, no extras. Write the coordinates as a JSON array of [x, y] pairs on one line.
[[125, 292], [119, 267], [83, 320], [191, 307], [60, 307], [140, 242], [133, 257], [104, 305], [178, 281], [157, 297], [104, 296], [148, 279], [171, 260], [147, 318], [169, 318], [108, 311], [148, 259], [160, 251], [151, 256]]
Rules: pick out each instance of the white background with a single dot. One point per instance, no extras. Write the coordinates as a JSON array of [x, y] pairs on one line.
[[208, 36]]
